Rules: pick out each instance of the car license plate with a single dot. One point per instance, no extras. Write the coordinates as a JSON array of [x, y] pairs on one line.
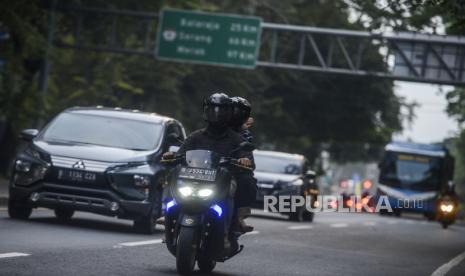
[[198, 174], [78, 176]]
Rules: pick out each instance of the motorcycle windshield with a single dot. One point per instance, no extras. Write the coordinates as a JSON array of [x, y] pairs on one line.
[[204, 159]]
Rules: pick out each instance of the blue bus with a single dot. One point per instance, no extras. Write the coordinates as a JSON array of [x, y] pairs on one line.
[[412, 176]]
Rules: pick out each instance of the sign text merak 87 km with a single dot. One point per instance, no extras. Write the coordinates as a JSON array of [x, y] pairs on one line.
[[199, 37]]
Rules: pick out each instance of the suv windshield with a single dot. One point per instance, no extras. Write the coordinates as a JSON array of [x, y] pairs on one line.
[[284, 165], [104, 131]]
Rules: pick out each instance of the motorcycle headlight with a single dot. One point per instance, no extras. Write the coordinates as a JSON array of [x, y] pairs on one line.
[[205, 193], [447, 208], [186, 191], [201, 191]]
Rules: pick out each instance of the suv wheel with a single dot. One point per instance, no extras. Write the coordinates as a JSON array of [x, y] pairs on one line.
[[64, 214], [18, 210], [147, 224]]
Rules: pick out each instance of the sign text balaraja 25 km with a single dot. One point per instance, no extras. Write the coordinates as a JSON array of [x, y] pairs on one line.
[[209, 38]]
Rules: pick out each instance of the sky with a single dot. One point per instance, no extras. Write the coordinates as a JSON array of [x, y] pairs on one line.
[[431, 123]]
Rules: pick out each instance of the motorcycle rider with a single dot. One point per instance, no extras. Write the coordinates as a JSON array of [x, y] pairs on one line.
[[246, 184], [449, 194], [217, 137]]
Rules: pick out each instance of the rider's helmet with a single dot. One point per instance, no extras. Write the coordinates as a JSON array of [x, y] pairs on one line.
[[241, 111], [218, 109]]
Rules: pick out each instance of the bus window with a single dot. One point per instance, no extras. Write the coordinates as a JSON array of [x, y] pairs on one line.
[[413, 172]]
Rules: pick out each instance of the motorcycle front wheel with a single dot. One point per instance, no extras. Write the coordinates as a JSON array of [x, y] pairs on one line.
[[186, 250]]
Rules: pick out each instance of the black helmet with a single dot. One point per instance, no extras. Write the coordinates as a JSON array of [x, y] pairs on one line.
[[217, 109], [241, 111]]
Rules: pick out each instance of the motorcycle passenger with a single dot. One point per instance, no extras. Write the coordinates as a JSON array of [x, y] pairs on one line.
[[246, 184], [216, 137]]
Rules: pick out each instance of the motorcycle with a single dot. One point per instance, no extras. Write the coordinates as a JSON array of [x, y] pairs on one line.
[[199, 210], [446, 212]]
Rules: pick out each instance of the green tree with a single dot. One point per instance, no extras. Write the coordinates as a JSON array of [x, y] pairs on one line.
[[295, 111]]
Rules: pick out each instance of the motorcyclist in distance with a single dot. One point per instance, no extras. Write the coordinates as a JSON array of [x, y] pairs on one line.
[[246, 184]]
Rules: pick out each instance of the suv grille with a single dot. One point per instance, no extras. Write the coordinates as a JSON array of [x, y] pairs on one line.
[[82, 164]]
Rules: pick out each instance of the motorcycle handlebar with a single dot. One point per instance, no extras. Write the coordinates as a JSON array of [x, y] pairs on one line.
[[234, 162], [225, 161]]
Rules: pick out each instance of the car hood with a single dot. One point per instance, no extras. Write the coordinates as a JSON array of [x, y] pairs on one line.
[[93, 152], [272, 178]]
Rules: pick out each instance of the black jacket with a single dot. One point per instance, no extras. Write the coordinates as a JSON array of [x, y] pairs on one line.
[[221, 142]]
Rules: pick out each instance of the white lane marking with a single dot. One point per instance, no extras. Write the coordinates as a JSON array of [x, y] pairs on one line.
[[339, 225], [369, 223], [300, 227], [443, 269], [391, 222], [252, 233], [13, 254], [139, 243]]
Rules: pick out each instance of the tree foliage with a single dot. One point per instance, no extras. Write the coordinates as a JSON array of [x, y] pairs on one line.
[[294, 110]]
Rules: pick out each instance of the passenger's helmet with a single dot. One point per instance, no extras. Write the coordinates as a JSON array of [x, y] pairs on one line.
[[241, 111], [218, 109]]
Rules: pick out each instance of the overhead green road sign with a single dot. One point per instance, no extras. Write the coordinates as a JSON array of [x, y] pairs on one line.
[[210, 38]]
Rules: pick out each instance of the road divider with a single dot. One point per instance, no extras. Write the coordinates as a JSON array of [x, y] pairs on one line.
[[339, 225], [140, 243], [300, 227], [13, 254]]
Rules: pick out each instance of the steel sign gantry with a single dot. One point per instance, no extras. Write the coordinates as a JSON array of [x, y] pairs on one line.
[[407, 56]]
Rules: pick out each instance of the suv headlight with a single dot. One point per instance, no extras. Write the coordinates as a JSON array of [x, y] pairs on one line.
[[27, 172], [142, 181], [22, 166]]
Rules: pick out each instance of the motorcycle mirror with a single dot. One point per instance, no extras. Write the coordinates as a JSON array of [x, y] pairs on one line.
[[310, 174]]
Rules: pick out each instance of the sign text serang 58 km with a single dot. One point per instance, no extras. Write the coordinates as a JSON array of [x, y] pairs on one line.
[[208, 38]]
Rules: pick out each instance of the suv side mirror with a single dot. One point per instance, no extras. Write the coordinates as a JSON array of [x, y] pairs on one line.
[[28, 134]]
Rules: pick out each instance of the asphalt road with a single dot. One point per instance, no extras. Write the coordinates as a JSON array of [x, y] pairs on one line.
[[335, 244]]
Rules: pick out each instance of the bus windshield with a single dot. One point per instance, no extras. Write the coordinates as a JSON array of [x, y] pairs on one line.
[[415, 172]]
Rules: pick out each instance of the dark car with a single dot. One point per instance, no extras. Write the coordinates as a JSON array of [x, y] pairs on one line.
[[285, 174], [99, 160]]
